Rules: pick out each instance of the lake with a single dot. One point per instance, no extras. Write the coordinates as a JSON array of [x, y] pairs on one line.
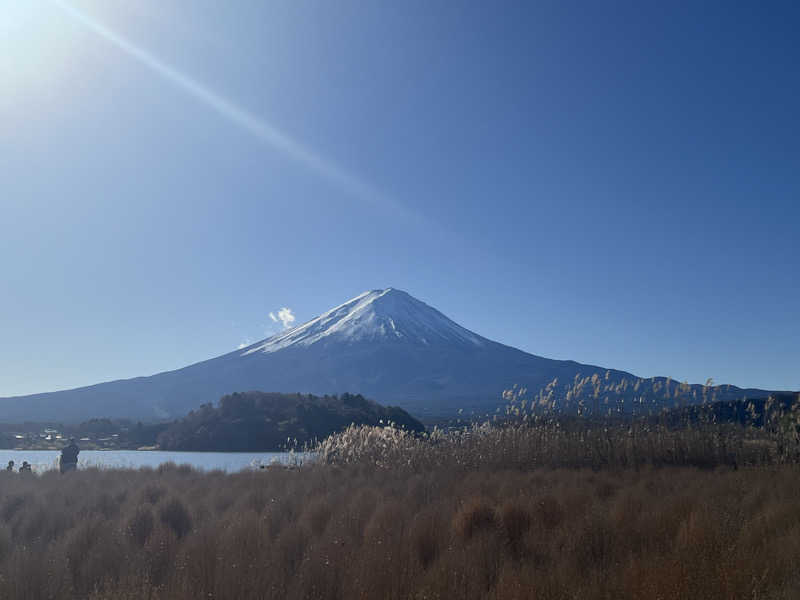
[[44, 460]]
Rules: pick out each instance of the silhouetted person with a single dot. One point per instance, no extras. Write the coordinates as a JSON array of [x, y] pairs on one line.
[[10, 466], [26, 467], [69, 457]]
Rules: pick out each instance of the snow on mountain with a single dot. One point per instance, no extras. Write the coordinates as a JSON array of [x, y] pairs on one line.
[[384, 344], [386, 315]]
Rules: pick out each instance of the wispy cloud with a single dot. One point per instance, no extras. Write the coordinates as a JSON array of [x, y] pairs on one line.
[[285, 316]]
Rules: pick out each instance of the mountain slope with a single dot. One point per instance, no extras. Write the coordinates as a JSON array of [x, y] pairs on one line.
[[383, 344], [375, 316]]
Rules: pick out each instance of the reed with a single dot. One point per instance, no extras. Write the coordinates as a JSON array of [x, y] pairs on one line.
[[533, 505]]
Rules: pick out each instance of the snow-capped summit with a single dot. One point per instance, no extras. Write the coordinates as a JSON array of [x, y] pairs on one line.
[[389, 315]]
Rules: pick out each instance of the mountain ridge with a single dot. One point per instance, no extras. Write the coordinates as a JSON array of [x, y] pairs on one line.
[[384, 344]]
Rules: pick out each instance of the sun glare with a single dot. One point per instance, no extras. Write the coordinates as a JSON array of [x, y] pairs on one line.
[[36, 44]]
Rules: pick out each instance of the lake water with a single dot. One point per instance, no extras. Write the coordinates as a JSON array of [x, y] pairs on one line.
[[44, 460]]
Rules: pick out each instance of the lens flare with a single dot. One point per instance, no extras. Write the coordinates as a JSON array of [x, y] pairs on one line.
[[258, 127]]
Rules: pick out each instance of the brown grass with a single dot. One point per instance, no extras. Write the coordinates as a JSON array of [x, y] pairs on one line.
[[538, 508], [361, 531]]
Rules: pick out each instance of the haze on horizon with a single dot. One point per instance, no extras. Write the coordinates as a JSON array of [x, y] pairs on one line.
[[613, 187]]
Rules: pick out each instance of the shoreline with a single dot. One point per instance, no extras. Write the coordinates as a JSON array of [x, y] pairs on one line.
[[155, 449]]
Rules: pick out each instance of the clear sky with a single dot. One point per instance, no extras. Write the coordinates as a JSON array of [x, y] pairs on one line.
[[614, 183]]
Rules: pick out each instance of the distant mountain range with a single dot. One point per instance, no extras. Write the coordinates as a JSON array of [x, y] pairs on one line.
[[384, 344]]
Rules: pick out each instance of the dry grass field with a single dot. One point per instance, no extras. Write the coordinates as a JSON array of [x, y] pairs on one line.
[[500, 513]]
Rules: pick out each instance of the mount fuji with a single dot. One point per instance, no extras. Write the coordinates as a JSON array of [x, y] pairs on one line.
[[384, 344]]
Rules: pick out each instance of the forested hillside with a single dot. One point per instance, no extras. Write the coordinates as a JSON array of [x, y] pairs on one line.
[[259, 421]]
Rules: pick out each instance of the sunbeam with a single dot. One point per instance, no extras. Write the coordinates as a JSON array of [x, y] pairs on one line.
[[244, 119]]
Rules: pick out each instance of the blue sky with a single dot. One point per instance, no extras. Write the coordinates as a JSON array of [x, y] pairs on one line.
[[616, 185]]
